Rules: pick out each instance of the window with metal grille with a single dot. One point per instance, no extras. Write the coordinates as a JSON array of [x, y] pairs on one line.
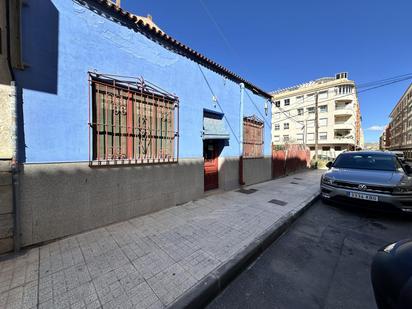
[[253, 137], [131, 122]]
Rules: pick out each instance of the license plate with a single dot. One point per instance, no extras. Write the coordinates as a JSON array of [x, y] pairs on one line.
[[362, 196]]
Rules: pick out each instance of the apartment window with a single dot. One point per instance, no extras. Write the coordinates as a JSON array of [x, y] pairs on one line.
[[323, 136], [253, 129], [286, 126], [345, 89], [299, 137], [323, 95], [312, 148], [299, 99], [276, 139], [287, 102], [311, 136], [311, 123], [286, 138], [323, 108], [325, 148], [311, 110], [277, 103], [310, 96], [131, 122], [277, 127], [300, 111], [338, 148], [323, 122], [277, 115]]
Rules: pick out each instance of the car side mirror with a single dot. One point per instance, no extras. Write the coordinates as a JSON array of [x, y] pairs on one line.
[[408, 169], [329, 164]]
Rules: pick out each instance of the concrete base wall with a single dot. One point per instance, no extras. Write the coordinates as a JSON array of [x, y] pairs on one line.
[[228, 173], [257, 170], [6, 207], [62, 199], [57, 200]]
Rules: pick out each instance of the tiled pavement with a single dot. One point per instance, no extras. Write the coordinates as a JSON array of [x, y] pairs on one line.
[[150, 261]]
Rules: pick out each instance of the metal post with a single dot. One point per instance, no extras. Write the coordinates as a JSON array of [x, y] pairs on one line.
[[316, 127], [242, 90]]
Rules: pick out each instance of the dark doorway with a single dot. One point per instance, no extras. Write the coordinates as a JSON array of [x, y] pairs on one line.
[[211, 155]]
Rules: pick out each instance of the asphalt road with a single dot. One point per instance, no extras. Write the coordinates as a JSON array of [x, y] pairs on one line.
[[322, 261]]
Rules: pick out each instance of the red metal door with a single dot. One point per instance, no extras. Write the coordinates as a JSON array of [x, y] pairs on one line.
[[211, 165]]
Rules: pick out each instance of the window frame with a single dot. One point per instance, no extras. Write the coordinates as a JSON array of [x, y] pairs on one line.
[[323, 110], [323, 125], [131, 122], [323, 139], [254, 141]]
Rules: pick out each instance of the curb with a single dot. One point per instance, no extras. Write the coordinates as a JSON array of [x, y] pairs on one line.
[[212, 285]]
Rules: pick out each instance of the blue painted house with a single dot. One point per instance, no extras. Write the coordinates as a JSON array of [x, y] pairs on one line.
[[118, 119]]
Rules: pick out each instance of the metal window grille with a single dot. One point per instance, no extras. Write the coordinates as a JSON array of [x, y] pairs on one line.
[[253, 137], [131, 121]]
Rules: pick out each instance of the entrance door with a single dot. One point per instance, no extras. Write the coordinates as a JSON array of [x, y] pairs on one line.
[[210, 155]]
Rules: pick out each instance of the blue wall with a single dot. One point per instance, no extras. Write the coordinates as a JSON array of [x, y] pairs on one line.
[[63, 40]]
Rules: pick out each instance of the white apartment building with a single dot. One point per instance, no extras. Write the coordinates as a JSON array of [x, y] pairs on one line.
[[339, 119]]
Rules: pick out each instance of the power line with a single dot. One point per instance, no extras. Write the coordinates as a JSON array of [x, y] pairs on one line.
[[367, 84], [217, 101], [342, 96], [253, 102], [219, 29], [359, 86]]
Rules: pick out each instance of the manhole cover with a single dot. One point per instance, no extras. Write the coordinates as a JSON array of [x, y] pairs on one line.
[[294, 183], [247, 191], [278, 202]]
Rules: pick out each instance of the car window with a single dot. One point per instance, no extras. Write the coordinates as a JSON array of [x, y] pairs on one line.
[[368, 162]]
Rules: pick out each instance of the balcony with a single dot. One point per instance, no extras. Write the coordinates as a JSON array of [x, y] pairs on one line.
[[343, 122], [344, 108], [344, 136], [344, 125]]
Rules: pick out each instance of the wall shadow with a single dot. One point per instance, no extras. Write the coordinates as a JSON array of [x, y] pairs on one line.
[[40, 41]]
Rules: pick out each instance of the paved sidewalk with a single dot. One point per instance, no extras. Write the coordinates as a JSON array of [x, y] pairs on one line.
[[150, 261]]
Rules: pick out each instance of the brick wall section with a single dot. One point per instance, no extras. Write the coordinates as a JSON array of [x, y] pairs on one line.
[[6, 207]]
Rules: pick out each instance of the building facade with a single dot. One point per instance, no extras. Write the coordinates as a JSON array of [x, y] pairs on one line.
[[339, 117], [401, 124], [117, 119], [384, 139]]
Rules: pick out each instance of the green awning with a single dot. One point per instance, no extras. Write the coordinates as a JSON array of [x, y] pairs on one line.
[[214, 126]]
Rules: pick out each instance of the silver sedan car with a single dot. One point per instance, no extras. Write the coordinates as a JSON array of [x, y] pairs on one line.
[[370, 178]]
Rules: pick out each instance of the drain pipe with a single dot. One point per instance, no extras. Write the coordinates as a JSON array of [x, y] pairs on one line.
[[14, 166], [241, 180]]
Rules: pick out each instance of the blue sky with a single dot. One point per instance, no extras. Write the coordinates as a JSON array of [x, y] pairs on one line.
[[276, 44]]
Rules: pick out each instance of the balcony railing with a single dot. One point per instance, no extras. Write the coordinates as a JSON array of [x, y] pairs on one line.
[[344, 139], [343, 106]]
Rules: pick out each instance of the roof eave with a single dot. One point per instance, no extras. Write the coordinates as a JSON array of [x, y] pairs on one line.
[[187, 51]]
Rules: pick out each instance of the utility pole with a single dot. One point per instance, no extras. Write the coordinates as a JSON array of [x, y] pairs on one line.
[[316, 127]]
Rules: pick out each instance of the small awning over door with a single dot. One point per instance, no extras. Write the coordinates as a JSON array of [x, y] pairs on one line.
[[214, 126]]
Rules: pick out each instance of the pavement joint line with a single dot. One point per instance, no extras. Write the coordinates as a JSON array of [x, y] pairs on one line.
[[199, 295], [215, 216]]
